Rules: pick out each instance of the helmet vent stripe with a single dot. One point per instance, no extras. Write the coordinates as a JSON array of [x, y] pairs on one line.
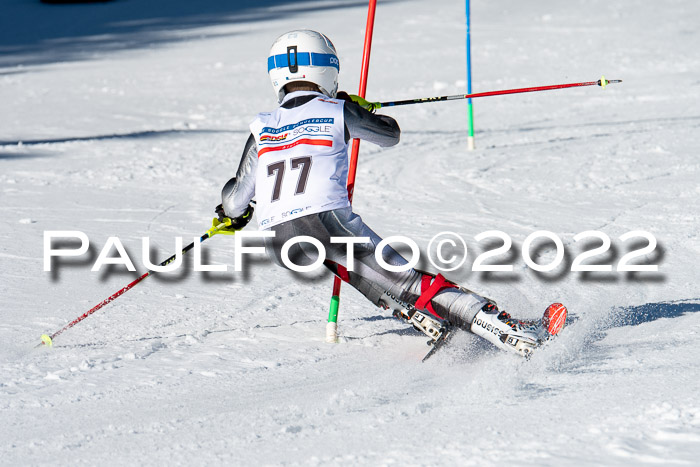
[[301, 59]]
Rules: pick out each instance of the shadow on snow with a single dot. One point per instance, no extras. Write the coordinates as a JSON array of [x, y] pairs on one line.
[[135, 135], [634, 316], [584, 358], [34, 33]]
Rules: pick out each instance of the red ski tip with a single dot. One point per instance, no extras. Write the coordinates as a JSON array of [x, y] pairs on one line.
[[554, 318]]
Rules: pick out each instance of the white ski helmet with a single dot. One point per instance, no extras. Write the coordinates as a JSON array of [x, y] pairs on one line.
[[303, 55]]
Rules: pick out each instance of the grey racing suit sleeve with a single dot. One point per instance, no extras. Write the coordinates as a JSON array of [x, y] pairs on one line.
[[236, 196], [378, 129]]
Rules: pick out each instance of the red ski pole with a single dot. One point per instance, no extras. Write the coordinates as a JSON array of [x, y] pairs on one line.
[[48, 339], [332, 326], [601, 82]]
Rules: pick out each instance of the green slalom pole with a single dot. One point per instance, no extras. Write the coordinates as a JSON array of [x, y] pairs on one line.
[[470, 108], [333, 311], [470, 135]]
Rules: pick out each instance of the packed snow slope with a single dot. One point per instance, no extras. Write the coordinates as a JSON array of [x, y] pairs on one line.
[[126, 118]]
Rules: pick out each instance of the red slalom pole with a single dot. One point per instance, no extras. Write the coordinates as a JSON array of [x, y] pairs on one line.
[[332, 326], [362, 92], [601, 82]]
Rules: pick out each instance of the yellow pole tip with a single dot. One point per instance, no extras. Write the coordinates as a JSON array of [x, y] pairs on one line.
[[603, 82], [46, 340]]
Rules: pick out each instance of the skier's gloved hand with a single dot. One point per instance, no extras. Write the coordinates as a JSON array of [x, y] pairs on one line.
[[365, 104], [232, 225]]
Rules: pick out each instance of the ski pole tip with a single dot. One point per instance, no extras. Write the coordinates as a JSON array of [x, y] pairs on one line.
[[602, 82], [46, 340]]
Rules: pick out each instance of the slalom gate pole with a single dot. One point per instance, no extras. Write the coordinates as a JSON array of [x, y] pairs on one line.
[[470, 109], [332, 326], [601, 82], [48, 339]]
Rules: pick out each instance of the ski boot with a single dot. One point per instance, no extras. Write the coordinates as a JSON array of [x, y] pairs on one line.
[[513, 335]]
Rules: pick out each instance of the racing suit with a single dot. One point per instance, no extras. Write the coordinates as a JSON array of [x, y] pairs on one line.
[[295, 163]]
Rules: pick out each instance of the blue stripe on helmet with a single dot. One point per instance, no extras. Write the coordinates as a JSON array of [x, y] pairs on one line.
[[303, 59]]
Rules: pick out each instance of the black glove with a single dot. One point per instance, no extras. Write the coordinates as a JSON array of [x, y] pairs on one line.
[[365, 104], [232, 225]]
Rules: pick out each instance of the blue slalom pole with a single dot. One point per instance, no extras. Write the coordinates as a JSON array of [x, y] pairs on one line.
[[470, 109]]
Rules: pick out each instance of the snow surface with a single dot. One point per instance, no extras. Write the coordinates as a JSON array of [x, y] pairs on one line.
[[125, 119]]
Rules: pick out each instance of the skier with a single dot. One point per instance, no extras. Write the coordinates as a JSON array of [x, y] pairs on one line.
[[295, 163]]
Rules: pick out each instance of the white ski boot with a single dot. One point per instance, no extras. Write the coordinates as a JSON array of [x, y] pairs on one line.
[[513, 335]]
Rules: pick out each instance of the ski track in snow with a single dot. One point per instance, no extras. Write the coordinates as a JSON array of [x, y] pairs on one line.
[[129, 124]]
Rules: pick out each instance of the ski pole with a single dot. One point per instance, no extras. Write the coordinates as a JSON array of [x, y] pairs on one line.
[[48, 339], [601, 82]]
